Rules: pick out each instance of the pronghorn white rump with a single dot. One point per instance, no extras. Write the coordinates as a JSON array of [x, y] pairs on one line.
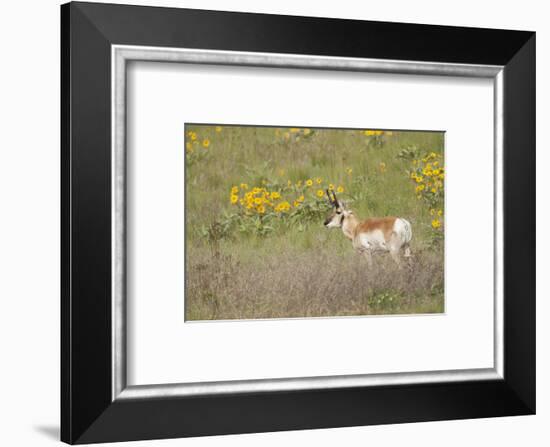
[[385, 234]]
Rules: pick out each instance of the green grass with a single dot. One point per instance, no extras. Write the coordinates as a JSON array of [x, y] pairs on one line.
[[283, 274]]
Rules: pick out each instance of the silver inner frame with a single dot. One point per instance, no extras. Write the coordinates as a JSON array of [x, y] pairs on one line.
[[120, 56]]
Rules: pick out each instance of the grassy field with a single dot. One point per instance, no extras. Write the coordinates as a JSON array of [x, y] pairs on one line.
[[268, 254]]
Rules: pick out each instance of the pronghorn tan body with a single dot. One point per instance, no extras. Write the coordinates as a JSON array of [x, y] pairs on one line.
[[385, 234]]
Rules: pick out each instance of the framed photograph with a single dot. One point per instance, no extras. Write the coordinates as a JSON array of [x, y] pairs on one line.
[[278, 223], [259, 251]]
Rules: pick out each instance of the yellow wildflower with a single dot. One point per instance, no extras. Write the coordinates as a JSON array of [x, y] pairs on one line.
[[300, 199], [294, 130], [218, 129], [234, 199], [318, 180], [436, 223], [439, 213], [234, 190], [193, 136], [261, 209], [307, 131], [320, 193], [340, 189], [244, 186], [258, 201], [349, 171], [205, 143], [275, 195], [331, 187], [283, 206], [309, 182]]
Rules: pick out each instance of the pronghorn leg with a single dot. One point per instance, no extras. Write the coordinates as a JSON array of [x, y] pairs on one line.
[[395, 246], [368, 256], [395, 256], [363, 250], [407, 255]]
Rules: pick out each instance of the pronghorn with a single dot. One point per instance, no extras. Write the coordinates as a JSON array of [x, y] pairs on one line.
[[386, 234]]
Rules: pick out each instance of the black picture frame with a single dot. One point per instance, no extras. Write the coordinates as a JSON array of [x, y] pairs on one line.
[[88, 412]]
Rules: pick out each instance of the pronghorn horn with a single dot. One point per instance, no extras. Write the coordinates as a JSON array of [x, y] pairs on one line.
[[334, 198], [330, 199]]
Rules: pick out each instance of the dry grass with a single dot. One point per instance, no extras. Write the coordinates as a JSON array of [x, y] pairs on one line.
[[310, 284]]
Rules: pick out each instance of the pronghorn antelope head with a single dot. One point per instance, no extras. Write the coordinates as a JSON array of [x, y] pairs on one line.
[[386, 234], [339, 211]]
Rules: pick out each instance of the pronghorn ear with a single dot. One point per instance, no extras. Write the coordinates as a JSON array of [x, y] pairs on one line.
[[337, 202]]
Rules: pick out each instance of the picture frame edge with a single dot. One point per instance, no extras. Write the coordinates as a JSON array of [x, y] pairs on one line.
[[88, 412]]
